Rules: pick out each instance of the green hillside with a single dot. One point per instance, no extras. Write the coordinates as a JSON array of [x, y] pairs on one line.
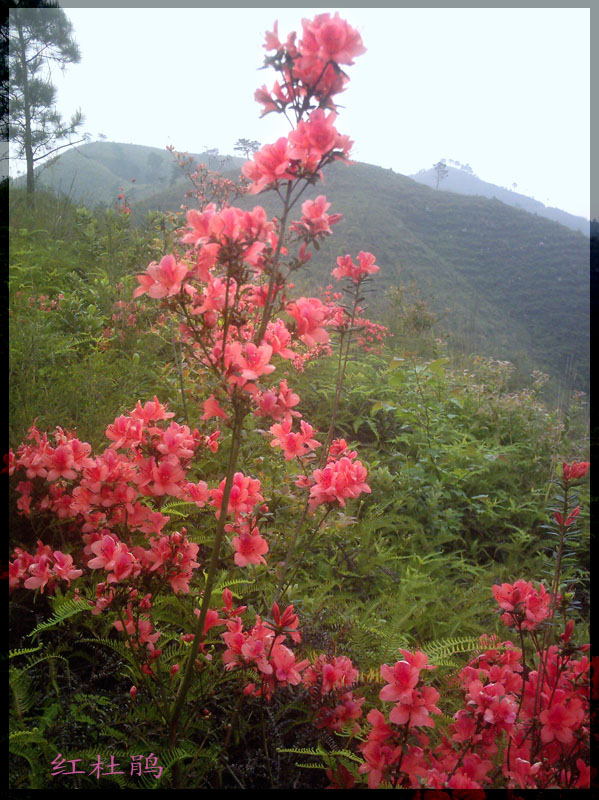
[[93, 173], [504, 282], [463, 181]]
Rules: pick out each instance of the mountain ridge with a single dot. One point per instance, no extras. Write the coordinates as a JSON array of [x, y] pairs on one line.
[[508, 283], [461, 181]]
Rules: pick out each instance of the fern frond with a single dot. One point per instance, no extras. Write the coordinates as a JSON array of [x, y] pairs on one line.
[[320, 752], [439, 651], [62, 611], [118, 647], [24, 694], [227, 584], [371, 676], [302, 751], [23, 651], [33, 661], [174, 508], [24, 736]]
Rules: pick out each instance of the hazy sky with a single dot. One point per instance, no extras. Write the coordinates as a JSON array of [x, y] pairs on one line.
[[506, 90]]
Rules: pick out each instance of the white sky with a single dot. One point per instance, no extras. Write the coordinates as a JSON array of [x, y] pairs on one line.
[[506, 90]]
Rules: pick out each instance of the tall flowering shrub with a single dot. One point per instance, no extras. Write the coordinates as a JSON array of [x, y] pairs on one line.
[[225, 286]]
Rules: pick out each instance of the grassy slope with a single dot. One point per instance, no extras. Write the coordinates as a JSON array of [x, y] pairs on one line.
[[461, 182], [94, 172], [506, 282], [516, 284]]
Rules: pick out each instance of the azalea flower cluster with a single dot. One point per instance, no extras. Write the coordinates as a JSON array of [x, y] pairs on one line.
[[310, 67], [315, 222], [355, 272], [533, 722], [331, 681], [310, 76], [218, 287], [261, 650], [384, 752], [343, 477], [121, 205], [524, 606], [106, 497], [171, 556], [43, 568], [208, 186], [43, 301], [544, 712], [371, 336]]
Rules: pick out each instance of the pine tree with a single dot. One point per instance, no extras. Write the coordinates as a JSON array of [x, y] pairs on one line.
[[442, 172], [246, 146], [38, 37]]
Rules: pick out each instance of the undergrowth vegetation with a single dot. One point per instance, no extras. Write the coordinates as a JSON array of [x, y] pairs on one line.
[[143, 668]]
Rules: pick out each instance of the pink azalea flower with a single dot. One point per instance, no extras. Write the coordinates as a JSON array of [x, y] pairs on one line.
[[402, 678], [61, 463], [197, 493], [416, 707], [559, 723], [249, 548], [338, 481], [245, 493], [254, 361], [162, 280], [41, 573], [278, 337], [316, 137], [125, 432], [310, 315], [331, 39], [293, 444], [166, 476], [315, 220], [63, 567], [152, 410], [286, 669], [212, 409], [347, 269], [270, 164]]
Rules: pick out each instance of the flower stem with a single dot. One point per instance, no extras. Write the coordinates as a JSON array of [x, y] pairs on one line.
[[218, 539]]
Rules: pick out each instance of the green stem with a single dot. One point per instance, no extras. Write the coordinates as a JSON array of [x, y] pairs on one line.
[[548, 634], [341, 369], [143, 676], [275, 266], [280, 590], [218, 539], [180, 371], [290, 549]]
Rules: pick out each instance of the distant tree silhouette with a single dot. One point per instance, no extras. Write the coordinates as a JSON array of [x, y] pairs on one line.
[[442, 172], [246, 146], [39, 34]]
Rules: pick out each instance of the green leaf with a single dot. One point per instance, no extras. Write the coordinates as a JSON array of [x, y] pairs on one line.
[[64, 610]]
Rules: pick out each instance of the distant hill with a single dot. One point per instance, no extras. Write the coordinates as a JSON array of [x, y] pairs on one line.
[[507, 283], [93, 173], [463, 181]]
